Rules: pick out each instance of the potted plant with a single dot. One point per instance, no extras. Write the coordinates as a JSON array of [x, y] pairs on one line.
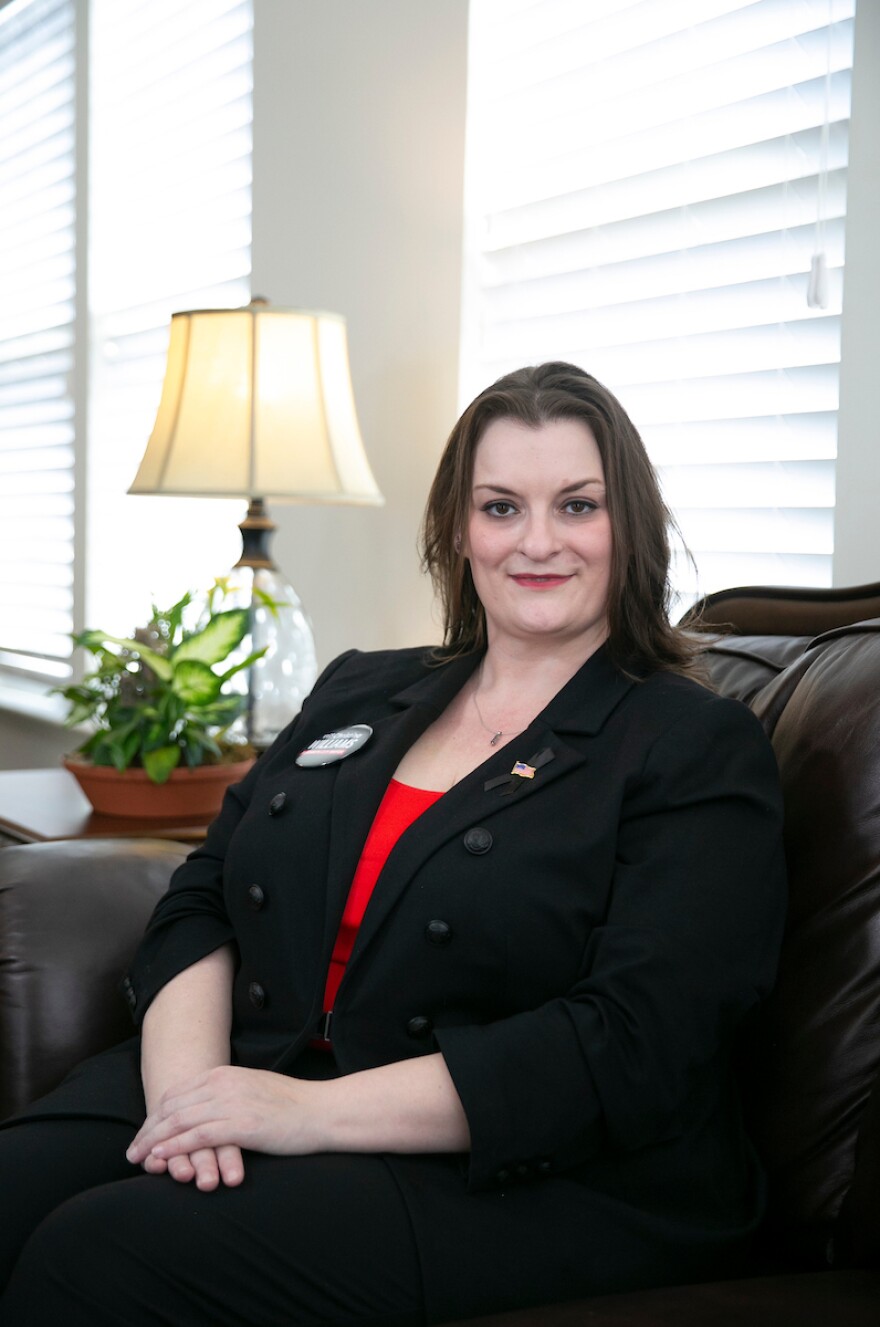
[[161, 712]]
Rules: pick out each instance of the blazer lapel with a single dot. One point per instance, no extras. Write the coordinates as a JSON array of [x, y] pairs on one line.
[[362, 779], [550, 745]]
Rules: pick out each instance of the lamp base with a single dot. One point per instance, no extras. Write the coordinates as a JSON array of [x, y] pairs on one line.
[[278, 683]]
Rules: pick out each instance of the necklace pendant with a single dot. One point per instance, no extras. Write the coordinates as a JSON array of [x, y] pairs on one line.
[[493, 740]]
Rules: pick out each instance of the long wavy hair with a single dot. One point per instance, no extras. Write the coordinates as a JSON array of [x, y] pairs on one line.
[[641, 638]]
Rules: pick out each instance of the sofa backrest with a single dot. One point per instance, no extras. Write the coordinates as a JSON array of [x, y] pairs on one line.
[[812, 1061]]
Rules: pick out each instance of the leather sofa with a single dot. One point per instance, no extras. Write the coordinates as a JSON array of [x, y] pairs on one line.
[[808, 663]]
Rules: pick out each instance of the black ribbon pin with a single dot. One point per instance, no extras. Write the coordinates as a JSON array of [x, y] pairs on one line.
[[522, 771]]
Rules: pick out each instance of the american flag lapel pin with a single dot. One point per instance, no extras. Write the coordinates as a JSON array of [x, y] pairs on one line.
[[507, 784]]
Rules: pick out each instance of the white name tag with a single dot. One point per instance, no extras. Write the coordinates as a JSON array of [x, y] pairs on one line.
[[334, 746]]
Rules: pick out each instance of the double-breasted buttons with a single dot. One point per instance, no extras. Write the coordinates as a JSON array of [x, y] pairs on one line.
[[129, 992], [256, 995], [256, 897], [277, 803], [419, 1026], [502, 1175], [438, 932], [478, 840]]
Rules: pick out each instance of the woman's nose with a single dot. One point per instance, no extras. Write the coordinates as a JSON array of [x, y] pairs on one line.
[[539, 539]]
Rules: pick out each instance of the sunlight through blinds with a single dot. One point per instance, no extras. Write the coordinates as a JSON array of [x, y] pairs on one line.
[[170, 229], [37, 291], [648, 183]]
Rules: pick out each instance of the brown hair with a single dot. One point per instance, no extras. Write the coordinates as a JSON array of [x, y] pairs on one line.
[[640, 636]]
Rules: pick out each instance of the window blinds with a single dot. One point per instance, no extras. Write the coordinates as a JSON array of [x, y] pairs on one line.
[[647, 184], [108, 224], [37, 292], [170, 210]]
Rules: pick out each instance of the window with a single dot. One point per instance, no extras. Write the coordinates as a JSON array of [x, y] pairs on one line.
[[126, 183], [648, 182], [170, 229], [37, 313]]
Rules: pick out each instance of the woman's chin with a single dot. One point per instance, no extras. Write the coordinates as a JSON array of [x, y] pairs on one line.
[[553, 630]]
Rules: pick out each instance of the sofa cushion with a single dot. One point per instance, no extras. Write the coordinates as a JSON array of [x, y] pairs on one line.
[[741, 666]]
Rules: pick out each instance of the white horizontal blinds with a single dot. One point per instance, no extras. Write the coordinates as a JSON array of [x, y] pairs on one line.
[[643, 192], [37, 216], [170, 193]]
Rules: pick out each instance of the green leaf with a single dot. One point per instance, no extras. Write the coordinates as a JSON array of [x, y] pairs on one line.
[[194, 682], [222, 587], [130, 746], [94, 641], [161, 762], [110, 751], [245, 663], [171, 707], [196, 745], [223, 711], [78, 715], [267, 601], [217, 640], [156, 736], [174, 616]]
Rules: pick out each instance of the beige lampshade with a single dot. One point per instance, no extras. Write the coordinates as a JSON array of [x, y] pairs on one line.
[[258, 402]]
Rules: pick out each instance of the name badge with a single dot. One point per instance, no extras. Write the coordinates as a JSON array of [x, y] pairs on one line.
[[334, 746]]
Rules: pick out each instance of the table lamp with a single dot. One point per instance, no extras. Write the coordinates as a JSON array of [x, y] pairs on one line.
[[257, 402]]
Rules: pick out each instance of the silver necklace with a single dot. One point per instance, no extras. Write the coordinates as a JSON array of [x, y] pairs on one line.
[[496, 732]]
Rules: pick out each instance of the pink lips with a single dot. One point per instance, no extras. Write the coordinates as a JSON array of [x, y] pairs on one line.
[[540, 582]]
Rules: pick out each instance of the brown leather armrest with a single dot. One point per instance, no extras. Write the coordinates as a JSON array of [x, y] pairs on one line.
[[71, 915]]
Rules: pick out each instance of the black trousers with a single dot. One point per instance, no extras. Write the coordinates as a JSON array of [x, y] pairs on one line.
[[88, 1240]]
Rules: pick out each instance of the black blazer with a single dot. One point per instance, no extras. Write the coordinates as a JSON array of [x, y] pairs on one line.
[[582, 946]]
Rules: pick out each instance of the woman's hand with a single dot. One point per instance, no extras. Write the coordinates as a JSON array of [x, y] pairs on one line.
[[186, 1029], [209, 1167], [199, 1127]]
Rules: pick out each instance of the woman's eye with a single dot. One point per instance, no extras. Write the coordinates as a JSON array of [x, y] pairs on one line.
[[579, 506], [499, 508]]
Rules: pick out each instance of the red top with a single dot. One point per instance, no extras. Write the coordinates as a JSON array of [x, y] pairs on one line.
[[400, 806]]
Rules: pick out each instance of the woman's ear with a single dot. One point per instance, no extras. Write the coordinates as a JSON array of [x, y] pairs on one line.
[[456, 543]]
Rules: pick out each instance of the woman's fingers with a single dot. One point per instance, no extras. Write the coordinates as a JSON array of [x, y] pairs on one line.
[[180, 1168], [204, 1164], [231, 1164], [208, 1166], [183, 1141], [162, 1122]]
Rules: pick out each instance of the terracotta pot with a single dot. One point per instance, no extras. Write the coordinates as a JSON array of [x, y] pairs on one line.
[[189, 793]]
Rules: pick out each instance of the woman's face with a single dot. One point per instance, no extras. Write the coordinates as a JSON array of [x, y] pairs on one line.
[[538, 535]]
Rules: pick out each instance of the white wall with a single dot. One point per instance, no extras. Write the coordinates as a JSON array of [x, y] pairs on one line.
[[856, 524], [358, 174]]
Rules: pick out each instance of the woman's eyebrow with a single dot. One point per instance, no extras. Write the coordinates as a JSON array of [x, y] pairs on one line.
[[582, 483], [568, 488]]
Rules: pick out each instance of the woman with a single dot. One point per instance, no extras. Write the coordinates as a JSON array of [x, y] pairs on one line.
[[510, 1082]]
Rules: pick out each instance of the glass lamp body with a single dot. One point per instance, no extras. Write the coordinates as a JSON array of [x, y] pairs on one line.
[[278, 683]]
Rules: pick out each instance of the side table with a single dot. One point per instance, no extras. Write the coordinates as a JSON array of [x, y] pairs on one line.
[[39, 805]]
